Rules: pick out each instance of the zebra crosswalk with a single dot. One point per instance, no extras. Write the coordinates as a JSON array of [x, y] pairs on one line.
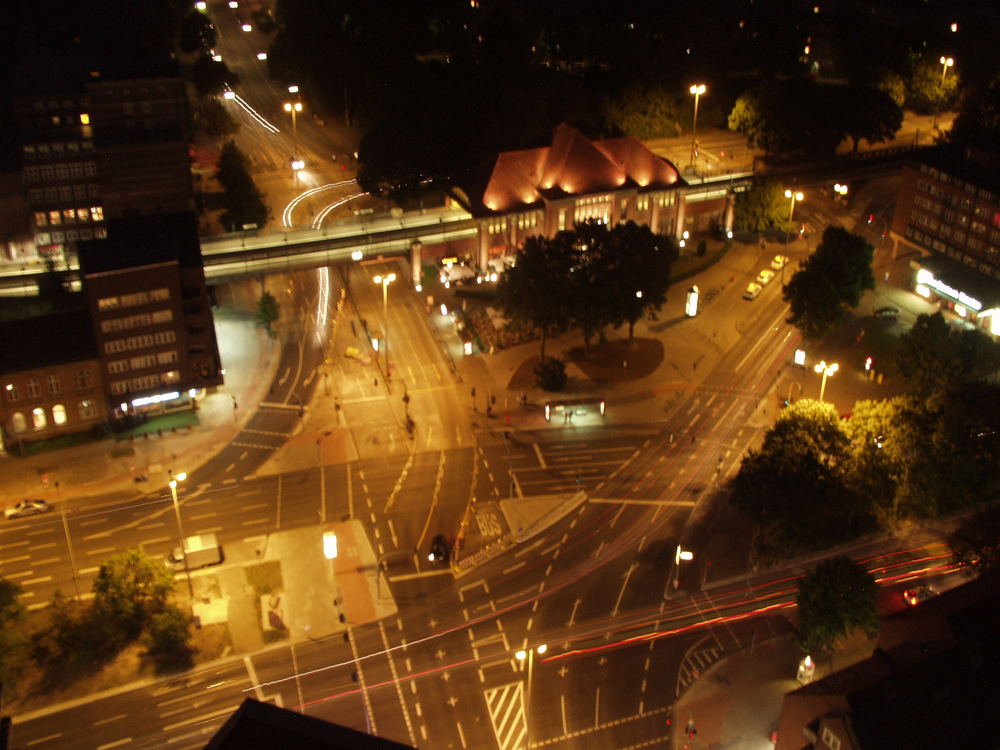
[[506, 707]]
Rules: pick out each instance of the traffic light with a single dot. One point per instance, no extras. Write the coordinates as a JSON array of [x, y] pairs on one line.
[[868, 363], [871, 218]]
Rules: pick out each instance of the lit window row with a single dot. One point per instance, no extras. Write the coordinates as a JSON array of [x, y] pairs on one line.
[[137, 321], [145, 382], [140, 342], [134, 299], [69, 216], [32, 386], [62, 171]]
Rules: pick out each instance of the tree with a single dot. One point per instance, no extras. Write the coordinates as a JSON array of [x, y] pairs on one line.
[[835, 598], [196, 32], [242, 202], [536, 290], [871, 114], [213, 118], [975, 543], [760, 208], [12, 638], [131, 587], [794, 116], [927, 355], [268, 311], [639, 274], [210, 77], [927, 89], [550, 373], [978, 120], [829, 282], [168, 636], [794, 488], [644, 111], [893, 85]]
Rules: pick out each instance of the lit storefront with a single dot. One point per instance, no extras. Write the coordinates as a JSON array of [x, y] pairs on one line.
[[962, 291]]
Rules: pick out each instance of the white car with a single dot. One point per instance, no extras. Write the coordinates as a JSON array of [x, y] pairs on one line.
[[752, 290], [765, 276], [779, 262], [27, 507]]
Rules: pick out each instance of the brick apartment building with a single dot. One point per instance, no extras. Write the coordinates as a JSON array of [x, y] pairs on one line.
[[150, 312]]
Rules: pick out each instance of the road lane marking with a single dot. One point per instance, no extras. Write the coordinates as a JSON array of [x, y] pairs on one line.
[[40, 740], [102, 551], [109, 720], [22, 574], [148, 542], [679, 503], [47, 561], [512, 568], [200, 516], [199, 719], [8, 560], [99, 535], [538, 454], [256, 521], [30, 581], [94, 522]]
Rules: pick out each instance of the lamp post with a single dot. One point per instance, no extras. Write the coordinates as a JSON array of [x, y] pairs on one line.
[[174, 479], [385, 281], [793, 196], [293, 108], [680, 555], [946, 62], [697, 89], [827, 370], [529, 655]]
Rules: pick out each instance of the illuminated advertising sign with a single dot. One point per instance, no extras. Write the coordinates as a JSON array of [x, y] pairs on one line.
[[926, 278]]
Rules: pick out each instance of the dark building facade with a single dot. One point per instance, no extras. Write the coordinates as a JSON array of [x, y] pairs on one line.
[[103, 149], [948, 210], [150, 313]]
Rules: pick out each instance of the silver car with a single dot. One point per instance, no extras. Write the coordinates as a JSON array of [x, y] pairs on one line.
[[27, 507]]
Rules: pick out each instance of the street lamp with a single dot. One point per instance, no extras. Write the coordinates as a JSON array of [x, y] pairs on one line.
[[840, 190], [293, 108], [827, 370], [946, 62], [175, 478], [680, 555], [697, 89], [529, 655], [385, 281]]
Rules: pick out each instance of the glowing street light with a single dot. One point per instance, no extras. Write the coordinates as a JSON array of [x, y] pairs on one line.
[[697, 90], [174, 480], [840, 190], [946, 62], [826, 370], [385, 281], [529, 655]]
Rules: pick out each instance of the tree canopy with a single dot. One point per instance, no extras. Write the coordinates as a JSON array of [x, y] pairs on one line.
[[829, 282], [837, 597], [590, 277], [760, 208], [242, 202], [933, 355], [131, 587]]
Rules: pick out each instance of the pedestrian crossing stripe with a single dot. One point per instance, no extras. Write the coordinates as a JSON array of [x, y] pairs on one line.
[[506, 708]]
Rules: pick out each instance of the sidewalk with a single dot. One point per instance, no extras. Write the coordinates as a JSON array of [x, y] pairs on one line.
[[737, 702], [249, 358]]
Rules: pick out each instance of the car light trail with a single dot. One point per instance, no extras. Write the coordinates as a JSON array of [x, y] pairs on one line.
[[286, 215], [256, 116], [321, 216]]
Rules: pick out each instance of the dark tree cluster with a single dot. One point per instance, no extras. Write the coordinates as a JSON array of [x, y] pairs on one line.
[[589, 277], [818, 480], [242, 202], [829, 282], [837, 597]]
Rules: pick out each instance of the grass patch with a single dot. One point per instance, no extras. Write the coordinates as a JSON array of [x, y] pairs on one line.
[[691, 265], [265, 578], [166, 423], [57, 443]]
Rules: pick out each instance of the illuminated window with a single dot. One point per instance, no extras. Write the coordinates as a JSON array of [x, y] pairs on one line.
[[55, 384], [55, 219], [40, 219], [84, 118], [158, 295], [11, 390], [107, 303], [69, 215], [82, 214], [171, 377], [166, 358], [87, 409], [96, 213], [59, 414], [38, 419], [163, 316], [18, 422]]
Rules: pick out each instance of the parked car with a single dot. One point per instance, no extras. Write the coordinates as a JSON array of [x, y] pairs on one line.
[[914, 596], [752, 290], [779, 262], [765, 276], [887, 312], [27, 507]]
